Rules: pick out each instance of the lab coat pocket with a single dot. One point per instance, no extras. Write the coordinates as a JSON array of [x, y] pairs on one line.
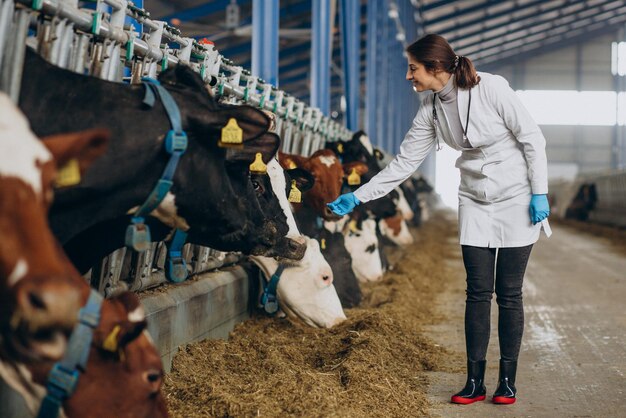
[[505, 179]]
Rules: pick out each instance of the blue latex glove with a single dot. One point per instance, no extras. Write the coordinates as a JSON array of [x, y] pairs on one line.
[[344, 204], [539, 208]]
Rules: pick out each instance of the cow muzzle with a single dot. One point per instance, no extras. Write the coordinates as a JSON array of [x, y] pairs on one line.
[[290, 248], [43, 318]]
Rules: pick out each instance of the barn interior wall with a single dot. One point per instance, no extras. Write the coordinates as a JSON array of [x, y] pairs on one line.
[[588, 147]]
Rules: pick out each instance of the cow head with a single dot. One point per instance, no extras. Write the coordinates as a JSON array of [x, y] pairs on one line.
[[124, 373], [396, 229], [333, 247], [329, 176], [240, 212], [38, 293], [362, 244], [306, 290], [360, 149]]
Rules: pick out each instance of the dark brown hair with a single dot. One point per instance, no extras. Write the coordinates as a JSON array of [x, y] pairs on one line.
[[436, 54]]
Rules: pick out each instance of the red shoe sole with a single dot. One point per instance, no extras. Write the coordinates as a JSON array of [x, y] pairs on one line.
[[466, 401], [503, 400]]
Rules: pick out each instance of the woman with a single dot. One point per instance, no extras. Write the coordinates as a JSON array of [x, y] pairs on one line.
[[502, 195]]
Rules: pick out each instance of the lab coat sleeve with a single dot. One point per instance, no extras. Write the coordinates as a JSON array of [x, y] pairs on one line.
[[417, 144], [526, 131]]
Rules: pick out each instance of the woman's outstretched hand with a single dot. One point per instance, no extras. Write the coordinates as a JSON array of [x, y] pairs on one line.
[[539, 208], [344, 204]]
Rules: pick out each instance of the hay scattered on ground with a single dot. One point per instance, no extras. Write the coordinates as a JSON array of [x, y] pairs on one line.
[[370, 366]]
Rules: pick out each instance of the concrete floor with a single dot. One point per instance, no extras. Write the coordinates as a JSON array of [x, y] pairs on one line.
[[573, 359]]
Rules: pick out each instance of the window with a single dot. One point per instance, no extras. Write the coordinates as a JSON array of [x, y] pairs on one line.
[[571, 107]]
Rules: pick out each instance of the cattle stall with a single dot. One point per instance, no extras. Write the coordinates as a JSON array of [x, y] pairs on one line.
[[193, 221], [117, 41]]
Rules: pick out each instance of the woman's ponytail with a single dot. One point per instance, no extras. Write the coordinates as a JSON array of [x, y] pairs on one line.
[[465, 75]]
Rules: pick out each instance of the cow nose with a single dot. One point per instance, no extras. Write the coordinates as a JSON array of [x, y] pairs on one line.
[[329, 215], [48, 304], [154, 379]]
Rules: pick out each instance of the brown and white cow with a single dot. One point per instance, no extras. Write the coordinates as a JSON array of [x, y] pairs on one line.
[[39, 288], [329, 175], [41, 292]]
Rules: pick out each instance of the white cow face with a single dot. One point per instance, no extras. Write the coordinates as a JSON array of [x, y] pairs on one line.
[[403, 206], [396, 229], [362, 244], [305, 289]]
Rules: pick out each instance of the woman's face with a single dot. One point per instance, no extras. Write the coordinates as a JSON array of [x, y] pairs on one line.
[[421, 78]]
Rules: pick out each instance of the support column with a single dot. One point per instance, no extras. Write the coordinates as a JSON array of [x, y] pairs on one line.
[[320, 55], [350, 53], [371, 72], [265, 21]]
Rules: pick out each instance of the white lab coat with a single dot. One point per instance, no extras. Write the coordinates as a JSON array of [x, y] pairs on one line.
[[506, 164]]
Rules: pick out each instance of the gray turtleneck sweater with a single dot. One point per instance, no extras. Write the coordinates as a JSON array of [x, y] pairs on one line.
[[448, 97]]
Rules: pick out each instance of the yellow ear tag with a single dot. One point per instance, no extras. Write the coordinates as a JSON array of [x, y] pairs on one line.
[[354, 179], [232, 135], [323, 244], [110, 343], [69, 174], [295, 195], [352, 226], [292, 164], [258, 166], [340, 148]]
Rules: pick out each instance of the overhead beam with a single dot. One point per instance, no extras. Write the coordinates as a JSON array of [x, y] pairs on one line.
[[200, 11], [456, 26], [550, 44], [535, 27], [523, 40]]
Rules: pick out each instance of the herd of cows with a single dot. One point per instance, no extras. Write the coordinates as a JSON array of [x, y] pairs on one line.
[[69, 190]]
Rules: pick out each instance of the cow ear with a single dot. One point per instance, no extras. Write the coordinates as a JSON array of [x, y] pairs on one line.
[[126, 329], [182, 75], [267, 145], [291, 161], [304, 179], [252, 122], [83, 146], [338, 147], [361, 168]]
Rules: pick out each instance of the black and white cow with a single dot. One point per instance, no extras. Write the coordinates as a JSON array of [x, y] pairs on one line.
[[213, 195]]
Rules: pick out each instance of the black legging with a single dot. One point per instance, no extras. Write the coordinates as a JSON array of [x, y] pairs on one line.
[[509, 275]]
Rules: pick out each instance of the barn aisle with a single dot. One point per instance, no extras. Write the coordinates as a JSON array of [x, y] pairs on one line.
[[573, 356]]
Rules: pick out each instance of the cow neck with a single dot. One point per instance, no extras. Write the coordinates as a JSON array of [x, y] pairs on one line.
[[118, 180], [175, 144], [63, 377]]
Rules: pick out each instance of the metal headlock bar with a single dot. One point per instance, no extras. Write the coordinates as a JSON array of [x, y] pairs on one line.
[[102, 43], [208, 62]]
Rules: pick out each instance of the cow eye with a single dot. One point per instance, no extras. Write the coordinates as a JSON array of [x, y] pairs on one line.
[[258, 187]]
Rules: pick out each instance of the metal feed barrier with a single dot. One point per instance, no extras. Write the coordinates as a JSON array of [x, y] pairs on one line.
[[118, 41]]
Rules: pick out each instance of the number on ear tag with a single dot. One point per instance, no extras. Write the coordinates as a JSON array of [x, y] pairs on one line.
[[110, 343], [295, 195], [69, 174], [232, 135], [323, 244], [258, 166], [354, 178]]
